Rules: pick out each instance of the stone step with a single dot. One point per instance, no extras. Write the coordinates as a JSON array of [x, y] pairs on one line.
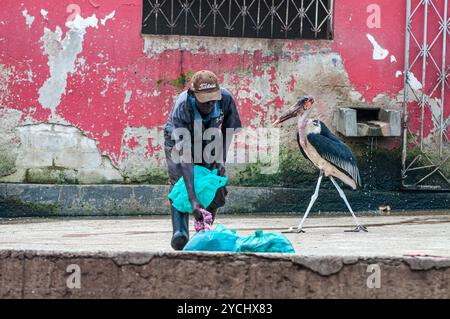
[[39, 200]]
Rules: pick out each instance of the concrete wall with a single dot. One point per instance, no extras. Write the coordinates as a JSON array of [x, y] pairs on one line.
[[34, 274], [84, 101], [43, 200]]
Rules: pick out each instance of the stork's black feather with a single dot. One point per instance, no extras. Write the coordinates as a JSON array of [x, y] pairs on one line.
[[335, 151]]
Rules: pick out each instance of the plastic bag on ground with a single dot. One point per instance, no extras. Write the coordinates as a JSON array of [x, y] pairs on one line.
[[225, 240], [220, 239]]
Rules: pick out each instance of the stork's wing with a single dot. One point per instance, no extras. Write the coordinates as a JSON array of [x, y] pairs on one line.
[[336, 152], [326, 132]]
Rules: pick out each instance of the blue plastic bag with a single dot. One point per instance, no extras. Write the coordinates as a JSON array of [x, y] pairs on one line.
[[265, 243], [223, 239], [220, 239], [206, 184]]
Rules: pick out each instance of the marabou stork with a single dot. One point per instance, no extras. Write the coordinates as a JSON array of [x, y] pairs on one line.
[[326, 152]]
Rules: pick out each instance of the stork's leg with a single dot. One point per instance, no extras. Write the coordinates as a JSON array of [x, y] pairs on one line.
[[359, 227], [311, 203]]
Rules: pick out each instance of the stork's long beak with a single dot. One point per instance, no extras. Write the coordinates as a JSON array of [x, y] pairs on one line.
[[295, 110]]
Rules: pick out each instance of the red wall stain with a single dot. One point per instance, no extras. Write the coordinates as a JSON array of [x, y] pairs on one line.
[[116, 50]]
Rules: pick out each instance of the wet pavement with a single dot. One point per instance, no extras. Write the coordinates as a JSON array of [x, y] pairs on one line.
[[388, 236]]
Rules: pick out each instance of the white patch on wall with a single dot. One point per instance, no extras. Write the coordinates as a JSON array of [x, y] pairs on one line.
[[398, 74], [44, 14], [378, 52], [108, 17], [65, 146], [413, 82], [393, 59], [62, 55], [435, 107], [30, 75], [127, 99], [137, 160], [29, 19], [108, 81], [80, 24]]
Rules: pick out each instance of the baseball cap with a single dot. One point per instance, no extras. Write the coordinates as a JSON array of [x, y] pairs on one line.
[[205, 86]]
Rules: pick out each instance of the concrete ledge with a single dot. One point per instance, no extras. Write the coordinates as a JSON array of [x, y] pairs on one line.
[[32, 200], [34, 274], [38, 200]]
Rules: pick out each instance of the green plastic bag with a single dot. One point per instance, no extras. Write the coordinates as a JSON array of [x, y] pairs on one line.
[[223, 239], [206, 184]]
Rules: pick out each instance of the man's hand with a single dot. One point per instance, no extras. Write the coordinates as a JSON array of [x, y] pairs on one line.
[[188, 175], [196, 206], [220, 169]]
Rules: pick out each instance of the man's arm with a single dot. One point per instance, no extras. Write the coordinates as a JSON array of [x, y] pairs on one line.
[[181, 121], [188, 176]]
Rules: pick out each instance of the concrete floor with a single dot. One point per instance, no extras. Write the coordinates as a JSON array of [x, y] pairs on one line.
[[392, 236]]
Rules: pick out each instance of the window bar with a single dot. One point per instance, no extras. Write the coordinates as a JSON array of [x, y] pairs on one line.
[[272, 13], [330, 19], [229, 18], [405, 92], [443, 76], [155, 8], [258, 18], [245, 10], [199, 24], [316, 28], [301, 18], [186, 6], [286, 25], [214, 16], [172, 24], [326, 17], [148, 15], [424, 71], [243, 13]]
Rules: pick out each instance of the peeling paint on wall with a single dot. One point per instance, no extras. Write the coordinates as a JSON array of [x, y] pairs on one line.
[[108, 81], [47, 152], [142, 155], [28, 18], [108, 17], [9, 141], [5, 75], [415, 84], [44, 14], [378, 52], [128, 94], [127, 82], [62, 54]]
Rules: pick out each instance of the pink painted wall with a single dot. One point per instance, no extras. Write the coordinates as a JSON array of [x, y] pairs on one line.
[[115, 51]]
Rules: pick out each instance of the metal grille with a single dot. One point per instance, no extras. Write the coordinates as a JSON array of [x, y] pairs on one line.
[[284, 19], [426, 87]]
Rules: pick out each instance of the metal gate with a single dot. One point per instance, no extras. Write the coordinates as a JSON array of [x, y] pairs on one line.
[[426, 107]]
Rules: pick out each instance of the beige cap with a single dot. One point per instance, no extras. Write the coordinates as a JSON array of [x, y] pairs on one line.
[[206, 86]]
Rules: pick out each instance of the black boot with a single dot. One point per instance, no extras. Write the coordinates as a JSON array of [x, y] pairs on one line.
[[180, 225]]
